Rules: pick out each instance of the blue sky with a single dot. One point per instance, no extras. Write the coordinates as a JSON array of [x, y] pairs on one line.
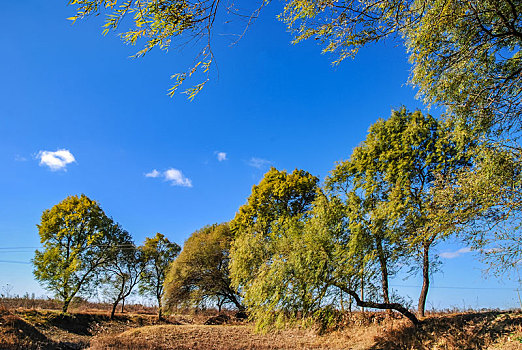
[[66, 87]]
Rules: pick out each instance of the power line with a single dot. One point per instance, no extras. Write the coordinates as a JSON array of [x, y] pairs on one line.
[[128, 245], [3, 248], [447, 287], [14, 262]]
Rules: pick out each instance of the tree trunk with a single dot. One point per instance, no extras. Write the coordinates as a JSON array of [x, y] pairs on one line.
[[231, 296], [362, 293], [122, 305], [65, 306], [220, 304], [160, 314], [382, 306], [425, 279], [114, 306], [384, 273]]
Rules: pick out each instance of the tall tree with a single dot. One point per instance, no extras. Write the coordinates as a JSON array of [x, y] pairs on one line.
[[391, 174], [200, 273], [123, 271], [372, 227], [158, 253], [278, 197], [78, 239], [315, 264]]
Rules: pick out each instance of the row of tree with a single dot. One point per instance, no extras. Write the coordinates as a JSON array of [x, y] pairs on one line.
[[85, 250], [297, 250]]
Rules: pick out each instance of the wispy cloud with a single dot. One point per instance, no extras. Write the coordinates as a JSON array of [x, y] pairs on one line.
[[258, 162], [221, 156], [20, 158], [56, 160], [153, 173], [455, 254], [174, 176]]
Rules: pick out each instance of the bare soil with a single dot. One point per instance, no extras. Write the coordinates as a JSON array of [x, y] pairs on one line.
[[48, 329]]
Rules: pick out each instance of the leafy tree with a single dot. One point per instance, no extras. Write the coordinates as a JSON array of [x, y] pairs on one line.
[[124, 271], [158, 253], [390, 175], [376, 238], [316, 264], [465, 54], [200, 274], [484, 204], [78, 239], [279, 196]]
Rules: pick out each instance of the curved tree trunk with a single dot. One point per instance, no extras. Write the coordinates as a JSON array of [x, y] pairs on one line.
[[382, 306], [425, 279]]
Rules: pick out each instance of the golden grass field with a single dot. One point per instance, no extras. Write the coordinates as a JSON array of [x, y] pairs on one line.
[[92, 329]]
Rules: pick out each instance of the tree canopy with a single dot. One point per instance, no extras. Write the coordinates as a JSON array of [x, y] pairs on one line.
[[482, 203], [199, 277], [77, 238], [159, 252], [278, 197], [387, 183], [465, 54]]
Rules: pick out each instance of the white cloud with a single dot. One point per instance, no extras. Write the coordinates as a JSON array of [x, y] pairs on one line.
[[56, 160], [221, 156], [153, 173], [455, 254], [258, 162], [174, 176], [20, 158]]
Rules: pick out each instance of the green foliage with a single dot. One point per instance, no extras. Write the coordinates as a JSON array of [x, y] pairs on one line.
[[164, 24], [78, 239], [296, 281], [484, 203], [465, 54], [346, 26], [158, 253], [387, 182], [278, 197], [199, 276]]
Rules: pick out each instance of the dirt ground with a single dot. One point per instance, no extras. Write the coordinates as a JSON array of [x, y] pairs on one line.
[[47, 329]]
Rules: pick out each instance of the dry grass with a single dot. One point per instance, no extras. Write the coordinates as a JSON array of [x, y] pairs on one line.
[[45, 329], [77, 305], [209, 337], [471, 330], [479, 330], [16, 333]]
